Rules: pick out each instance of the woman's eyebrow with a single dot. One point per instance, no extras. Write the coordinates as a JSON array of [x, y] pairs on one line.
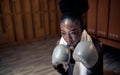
[[62, 31], [73, 30]]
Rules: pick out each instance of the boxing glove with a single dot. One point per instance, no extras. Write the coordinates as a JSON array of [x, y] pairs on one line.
[[61, 55], [85, 52]]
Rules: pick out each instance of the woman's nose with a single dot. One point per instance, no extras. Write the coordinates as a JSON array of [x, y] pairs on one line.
[[68, 39]]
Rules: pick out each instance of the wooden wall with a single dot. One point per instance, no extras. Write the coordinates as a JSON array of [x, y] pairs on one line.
[[24, 21], [103, 21]]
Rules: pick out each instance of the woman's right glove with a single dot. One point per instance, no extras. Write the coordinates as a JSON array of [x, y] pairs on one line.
[[61, 58]]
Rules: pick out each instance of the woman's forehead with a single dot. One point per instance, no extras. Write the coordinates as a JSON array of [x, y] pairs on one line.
[[69, 23]]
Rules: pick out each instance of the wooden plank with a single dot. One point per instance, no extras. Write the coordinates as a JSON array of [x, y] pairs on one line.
[[18, 24], [35, 5], [91, 19], [18, 27], [41, 6], [59, 14], [102, 22], [0, 17], [52, 5], [114, 20], [8, 19], [17, 6], [52, 11], [47, 25], [39, 31], [3, 39], [1, 28], [110, 43], [26, 6], [6, 8], [53, 23], [10, 29], [46, 19], [45, 5], [0, 7], [27, 19]]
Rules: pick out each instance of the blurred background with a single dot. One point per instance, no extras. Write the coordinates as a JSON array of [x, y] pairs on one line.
[[29, 30]]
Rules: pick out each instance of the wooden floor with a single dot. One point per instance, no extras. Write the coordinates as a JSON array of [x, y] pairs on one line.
[[111, 59], [29, 59], [35, 59]]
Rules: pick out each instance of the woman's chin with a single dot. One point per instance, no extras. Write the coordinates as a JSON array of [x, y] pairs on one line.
[[71, 47]]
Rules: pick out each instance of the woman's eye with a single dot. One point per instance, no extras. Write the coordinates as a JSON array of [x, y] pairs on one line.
[[63, 33], [73, 32]]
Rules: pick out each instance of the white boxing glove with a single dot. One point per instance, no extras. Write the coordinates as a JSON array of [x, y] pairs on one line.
[[85, 52], [61, 55]]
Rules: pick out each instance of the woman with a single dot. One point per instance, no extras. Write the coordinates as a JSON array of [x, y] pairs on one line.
[[72, 33]]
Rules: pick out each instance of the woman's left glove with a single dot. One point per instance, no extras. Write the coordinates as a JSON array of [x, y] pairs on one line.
[[86, 53]]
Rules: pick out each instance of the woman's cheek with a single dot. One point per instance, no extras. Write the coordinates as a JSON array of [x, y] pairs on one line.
[[76, 38]]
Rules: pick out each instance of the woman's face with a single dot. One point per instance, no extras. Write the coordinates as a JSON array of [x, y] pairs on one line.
[[71, 32]]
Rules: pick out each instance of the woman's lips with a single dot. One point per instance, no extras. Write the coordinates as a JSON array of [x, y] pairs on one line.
[[71, 47]]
